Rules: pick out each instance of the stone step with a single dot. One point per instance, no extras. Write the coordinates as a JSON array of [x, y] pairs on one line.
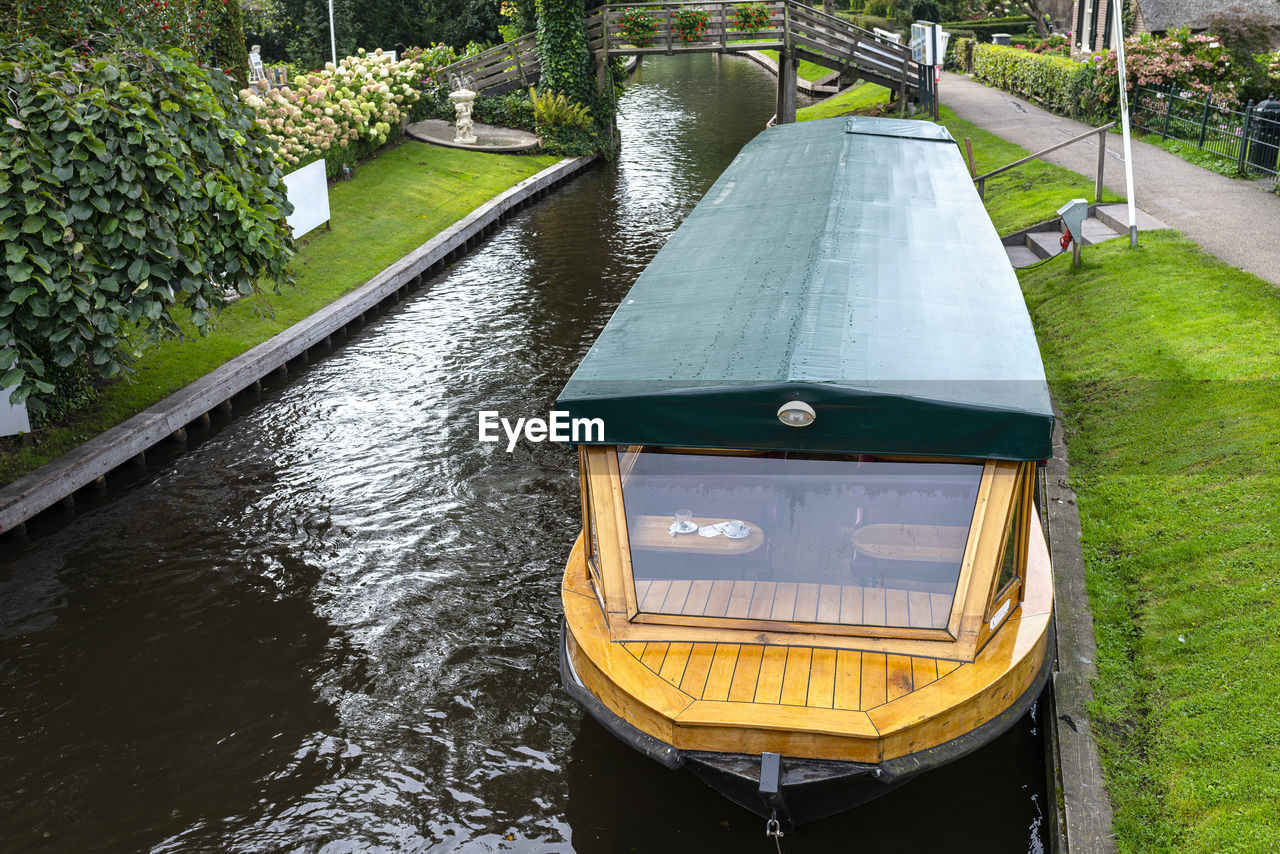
[[1097, 231], [1021, 256], [1045, 244], [1117, 217]]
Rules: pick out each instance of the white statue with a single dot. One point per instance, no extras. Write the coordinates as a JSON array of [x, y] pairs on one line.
[[463, 101]]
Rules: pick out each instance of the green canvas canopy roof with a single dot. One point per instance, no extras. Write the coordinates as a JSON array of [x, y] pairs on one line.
[[847, 263]]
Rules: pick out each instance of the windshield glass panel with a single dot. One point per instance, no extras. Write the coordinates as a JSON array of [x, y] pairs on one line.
[[797, 537]]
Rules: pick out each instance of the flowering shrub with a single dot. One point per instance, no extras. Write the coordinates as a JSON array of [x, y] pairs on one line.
[[1191, 63], [340, 113], [637, 27], [751, 18], [690, 25]]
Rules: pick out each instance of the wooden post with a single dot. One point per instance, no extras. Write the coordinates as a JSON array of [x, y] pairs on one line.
[[982, 189], [968, 149], [902, 94], [515, 54], [724, 27], [1075, 255], [1102, 165]]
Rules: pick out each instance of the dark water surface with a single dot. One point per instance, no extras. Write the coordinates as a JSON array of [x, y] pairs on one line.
[[331, 625]]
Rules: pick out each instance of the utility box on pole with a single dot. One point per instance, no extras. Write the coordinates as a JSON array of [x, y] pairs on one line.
[[928, 47], [1073, 215]]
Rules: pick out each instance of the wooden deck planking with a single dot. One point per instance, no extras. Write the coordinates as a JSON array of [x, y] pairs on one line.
[[773, 668], [761, 607], [788, 601], [698, 668], [897, 676], [806, 610], [740, 601], [941, 604], [699, 593], [721, 675], [743, 688], [653, 655], [923, 671], [718, 601], [946, 667], [874, 680], [848, 687], [673, 662], [676, 596], [795, 679], [822, 679], [784, 601]]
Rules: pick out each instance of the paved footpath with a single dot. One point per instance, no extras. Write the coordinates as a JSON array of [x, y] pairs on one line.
[[1235, 220]]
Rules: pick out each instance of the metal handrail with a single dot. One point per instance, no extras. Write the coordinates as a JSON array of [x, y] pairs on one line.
[[1099, 132]]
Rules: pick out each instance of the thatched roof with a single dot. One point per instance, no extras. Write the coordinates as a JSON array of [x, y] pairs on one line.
[[1160, 15]]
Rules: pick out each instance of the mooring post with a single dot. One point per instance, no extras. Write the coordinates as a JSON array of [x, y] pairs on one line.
[[786, 87]]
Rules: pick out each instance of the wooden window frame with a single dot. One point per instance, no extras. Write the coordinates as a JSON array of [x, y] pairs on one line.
[[959, 641]]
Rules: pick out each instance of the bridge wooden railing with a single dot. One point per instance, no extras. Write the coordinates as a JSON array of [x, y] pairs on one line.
[[793, 28], [511, 65]]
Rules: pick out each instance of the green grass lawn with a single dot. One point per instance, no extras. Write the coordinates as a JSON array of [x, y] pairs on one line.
[[396, 202], [1020, 197], [1164, 361], [807, 70]]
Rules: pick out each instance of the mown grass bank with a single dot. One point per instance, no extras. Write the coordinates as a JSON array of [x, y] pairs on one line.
[[396, 202], [806, 70], [1016, 199], [1164, 361]]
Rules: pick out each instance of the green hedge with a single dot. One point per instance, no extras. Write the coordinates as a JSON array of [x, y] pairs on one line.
[[959, 56], [985, 28], [1055, 82]]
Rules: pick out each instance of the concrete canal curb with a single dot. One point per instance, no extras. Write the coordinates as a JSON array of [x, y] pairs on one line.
[[59, 480], [1079, 807]]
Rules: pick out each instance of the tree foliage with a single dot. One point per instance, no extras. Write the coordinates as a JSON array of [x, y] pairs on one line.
[[135, 189], [563, 50]]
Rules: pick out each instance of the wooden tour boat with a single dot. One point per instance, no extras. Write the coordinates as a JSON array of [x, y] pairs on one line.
[[832, 353]]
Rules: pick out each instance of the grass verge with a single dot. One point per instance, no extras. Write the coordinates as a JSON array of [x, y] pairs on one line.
[[1016, 199], [396, 202], [810, 71], [1164, 362]]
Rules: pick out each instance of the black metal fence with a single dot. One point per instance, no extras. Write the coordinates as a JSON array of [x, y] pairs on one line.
[[1239, 135]]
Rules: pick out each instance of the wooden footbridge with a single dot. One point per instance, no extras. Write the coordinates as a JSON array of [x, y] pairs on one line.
[[796, 31]]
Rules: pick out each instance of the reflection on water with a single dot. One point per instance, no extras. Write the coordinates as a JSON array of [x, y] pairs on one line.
[[331, 625]]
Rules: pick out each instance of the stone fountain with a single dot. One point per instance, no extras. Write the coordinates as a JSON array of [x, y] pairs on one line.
[[464, 98], [465, 132]]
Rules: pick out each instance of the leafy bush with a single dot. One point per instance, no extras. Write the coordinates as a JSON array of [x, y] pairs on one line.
[[553, 109], [132, 185], [342, 114], [959, 56], [751, 18], [878, 8], [690, 25], [637, 27], [1196, 64], [1048, 80]]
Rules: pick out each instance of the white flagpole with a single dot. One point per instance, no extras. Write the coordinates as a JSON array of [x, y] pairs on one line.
[[333, 42], [1124, 123]]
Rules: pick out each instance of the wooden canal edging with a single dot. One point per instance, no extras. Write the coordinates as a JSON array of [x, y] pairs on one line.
[[59, 480], [1082, 825]]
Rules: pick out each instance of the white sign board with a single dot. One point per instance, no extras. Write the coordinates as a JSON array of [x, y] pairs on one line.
[[13, 419], [309, 194], [928, 43]]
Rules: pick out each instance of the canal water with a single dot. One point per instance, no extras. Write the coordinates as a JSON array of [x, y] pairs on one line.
[[330, 625]]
